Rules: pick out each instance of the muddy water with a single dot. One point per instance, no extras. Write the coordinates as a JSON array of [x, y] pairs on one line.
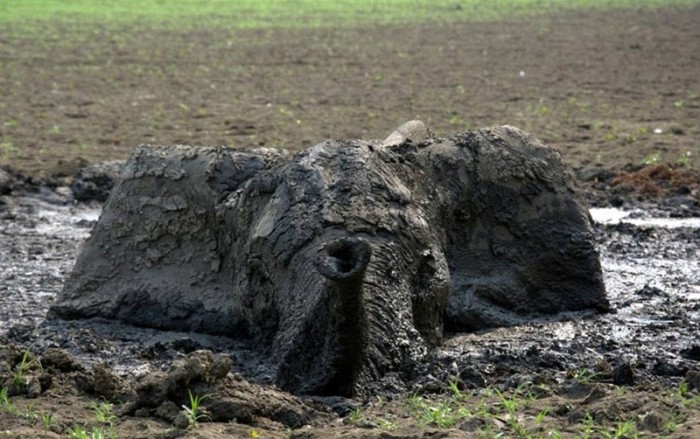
[[650, 267], [612, 215]]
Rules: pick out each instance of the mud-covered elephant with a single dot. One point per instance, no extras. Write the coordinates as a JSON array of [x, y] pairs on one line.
[[347, 260]]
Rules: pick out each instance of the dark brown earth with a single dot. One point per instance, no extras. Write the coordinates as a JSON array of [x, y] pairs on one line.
[[597, 85]]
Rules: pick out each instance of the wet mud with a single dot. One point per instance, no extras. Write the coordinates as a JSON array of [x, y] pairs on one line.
[[650, 272]]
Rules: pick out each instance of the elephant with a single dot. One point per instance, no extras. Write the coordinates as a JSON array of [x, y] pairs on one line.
[[345, 261]]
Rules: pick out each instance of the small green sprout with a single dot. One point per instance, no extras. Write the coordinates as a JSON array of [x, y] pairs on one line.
[[194, 411]]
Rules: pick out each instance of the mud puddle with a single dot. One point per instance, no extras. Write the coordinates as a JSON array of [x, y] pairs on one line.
[[639, 217]]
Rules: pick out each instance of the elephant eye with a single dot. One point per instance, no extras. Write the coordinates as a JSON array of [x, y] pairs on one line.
[[426, 266]]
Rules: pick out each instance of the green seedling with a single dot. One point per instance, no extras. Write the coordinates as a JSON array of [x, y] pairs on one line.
[[457, 394], [19, 378], [588, 426], [381, 402], [540, 417], [684, 159], [624, 430], [5, 400], [46, 420], [683, 393], [194, 411], [415, 403], [387, 425], [672, 424], [510, 405], [584, 375], [440, 415], [554, 434], [652, 158], [356, 416], [79, 432], [103, 413]]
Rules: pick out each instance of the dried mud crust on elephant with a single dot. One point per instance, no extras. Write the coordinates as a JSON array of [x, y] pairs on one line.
[[342, 263]]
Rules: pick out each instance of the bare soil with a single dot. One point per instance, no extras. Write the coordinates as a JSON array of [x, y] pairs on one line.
[[606, 87], [596, 85]]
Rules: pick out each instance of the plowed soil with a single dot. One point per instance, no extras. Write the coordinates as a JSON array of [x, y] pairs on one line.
[[605, 87]]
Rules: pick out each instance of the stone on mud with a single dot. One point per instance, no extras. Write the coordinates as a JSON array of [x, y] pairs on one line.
[[347, 260]]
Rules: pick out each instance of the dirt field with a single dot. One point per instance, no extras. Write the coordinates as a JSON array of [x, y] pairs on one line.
[[612, 90], [605, 87]]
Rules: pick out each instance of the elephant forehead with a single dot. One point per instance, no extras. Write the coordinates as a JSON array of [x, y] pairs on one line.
[[352, 169]]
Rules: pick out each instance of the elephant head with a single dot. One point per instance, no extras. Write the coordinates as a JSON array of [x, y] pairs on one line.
[[347, 260]]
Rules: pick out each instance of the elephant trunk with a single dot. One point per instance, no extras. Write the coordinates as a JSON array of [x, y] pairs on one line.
[[344, 261]]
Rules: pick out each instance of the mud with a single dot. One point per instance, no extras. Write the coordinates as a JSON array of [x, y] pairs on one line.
[[650, 274]]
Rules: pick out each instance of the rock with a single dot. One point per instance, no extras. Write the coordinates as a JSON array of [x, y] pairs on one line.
[[346, 261]]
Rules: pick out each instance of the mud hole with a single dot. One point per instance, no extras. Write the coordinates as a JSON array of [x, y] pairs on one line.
[[639, 364]]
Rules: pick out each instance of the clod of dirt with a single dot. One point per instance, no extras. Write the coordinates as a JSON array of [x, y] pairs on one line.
[[24, 373], [652, 421], [224, 397], [105, 382], [623, 375], [168, 410], [13, 182], [60, 360], [94, 182], [692, 378]]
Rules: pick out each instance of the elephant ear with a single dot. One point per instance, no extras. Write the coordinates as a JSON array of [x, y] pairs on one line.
[[153, 257], [519, 242]]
